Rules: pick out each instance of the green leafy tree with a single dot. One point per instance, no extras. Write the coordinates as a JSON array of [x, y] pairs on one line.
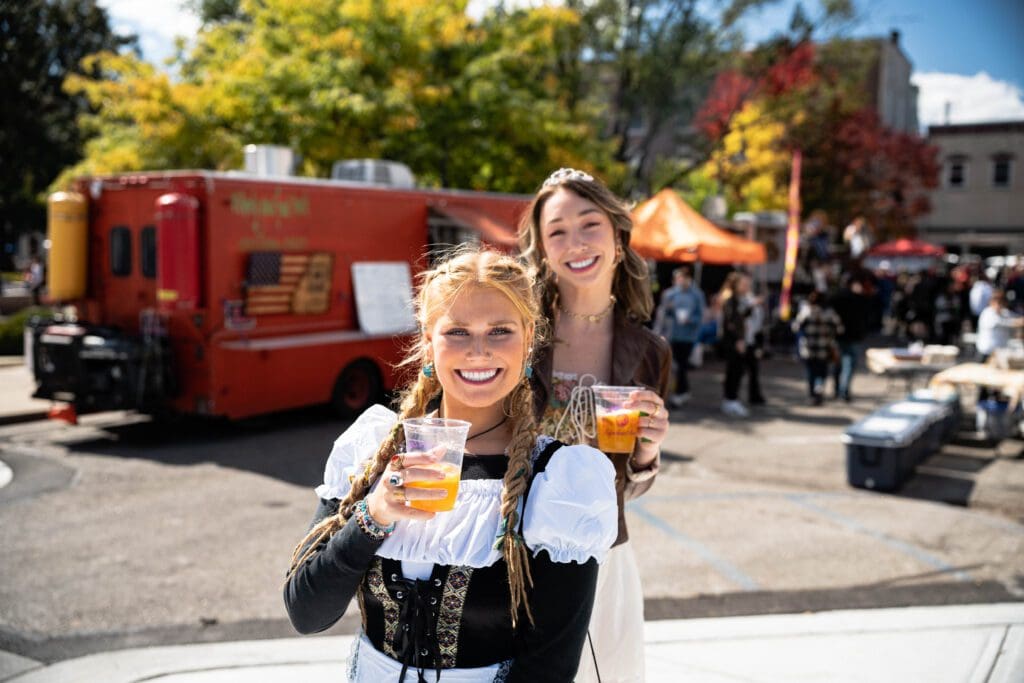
[[652, 61], [464, 103], [215, 11], [42, 42]]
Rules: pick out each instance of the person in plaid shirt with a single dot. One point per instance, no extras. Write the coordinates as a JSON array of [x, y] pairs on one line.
[[817, 327]]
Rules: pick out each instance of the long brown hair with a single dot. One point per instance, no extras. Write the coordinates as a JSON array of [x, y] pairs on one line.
[[630, 285], [463, 269], [729, 287]]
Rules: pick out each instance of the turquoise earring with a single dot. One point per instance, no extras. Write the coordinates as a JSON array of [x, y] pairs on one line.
[[428, 370]]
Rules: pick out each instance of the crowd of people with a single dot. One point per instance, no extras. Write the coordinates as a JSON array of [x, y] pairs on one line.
[[839, 302]]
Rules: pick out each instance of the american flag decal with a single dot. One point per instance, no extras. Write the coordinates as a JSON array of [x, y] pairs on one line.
[[278, 283]]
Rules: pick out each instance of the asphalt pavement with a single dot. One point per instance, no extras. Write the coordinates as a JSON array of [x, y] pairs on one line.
[[750, 518]]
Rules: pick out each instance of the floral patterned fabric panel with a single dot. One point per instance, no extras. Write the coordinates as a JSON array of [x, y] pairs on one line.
[[562, 384]]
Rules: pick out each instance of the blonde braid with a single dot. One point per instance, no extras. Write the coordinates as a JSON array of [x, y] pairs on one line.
[[414, 402], [520, 404]]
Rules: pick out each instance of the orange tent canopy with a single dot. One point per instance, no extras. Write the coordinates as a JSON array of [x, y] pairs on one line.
[[665, 228]]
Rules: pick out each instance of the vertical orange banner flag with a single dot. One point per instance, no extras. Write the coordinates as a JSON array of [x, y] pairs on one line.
[[792, 237]]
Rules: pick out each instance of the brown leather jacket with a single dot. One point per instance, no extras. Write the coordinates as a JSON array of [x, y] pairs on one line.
[[639, 358]]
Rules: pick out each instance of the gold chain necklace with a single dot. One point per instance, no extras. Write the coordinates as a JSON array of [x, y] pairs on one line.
[[592, 317]]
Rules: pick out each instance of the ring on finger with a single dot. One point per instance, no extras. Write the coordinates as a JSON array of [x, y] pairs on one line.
[[396, 480], [398, 461]]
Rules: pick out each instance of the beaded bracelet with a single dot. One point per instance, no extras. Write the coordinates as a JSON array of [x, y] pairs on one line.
[[368, 524]]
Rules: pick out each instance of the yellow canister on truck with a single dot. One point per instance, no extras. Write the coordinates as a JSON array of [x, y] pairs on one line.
[[67, 227]]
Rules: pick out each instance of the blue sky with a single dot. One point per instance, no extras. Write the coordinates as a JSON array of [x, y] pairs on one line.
[[958, 37], [969, 53]]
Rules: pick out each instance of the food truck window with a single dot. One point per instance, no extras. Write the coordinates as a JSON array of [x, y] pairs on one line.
[[120, 251], [147, 251]]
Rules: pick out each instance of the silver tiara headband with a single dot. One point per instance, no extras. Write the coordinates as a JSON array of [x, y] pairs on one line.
[[563, 174]]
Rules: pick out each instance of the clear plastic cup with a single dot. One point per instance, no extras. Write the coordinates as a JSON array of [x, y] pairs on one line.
[[617, 426], [426, 433]]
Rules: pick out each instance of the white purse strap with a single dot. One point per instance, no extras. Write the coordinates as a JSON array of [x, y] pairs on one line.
[[580, 411]]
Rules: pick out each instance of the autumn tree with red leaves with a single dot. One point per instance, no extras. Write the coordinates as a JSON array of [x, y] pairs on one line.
[[853, 165]]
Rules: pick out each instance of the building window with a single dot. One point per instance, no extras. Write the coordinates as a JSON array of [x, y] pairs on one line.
[[956, 173], [1001, 170]]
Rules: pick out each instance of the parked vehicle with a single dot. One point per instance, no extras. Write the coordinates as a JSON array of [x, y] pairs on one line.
[[232, 295]]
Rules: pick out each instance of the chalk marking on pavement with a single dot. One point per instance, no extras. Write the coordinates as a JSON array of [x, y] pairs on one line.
[[901, 546], [723, 566], [6, 475]]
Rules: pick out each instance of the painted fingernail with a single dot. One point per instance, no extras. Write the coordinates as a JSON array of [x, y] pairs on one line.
[[646, 440], [644, 414]]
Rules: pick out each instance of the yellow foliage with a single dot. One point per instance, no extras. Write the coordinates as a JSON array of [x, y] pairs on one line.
[[750, 163]]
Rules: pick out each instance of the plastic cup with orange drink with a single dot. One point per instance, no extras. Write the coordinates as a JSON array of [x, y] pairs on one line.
[[426, 433], [617, 425]]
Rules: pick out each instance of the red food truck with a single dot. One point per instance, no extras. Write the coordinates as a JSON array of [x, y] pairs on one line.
[[228, 294]]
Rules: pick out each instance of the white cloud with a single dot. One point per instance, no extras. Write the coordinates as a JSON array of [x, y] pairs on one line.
[[156, 22], [972, 99]]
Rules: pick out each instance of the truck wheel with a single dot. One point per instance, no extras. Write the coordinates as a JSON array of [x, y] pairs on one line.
[[357, 388]]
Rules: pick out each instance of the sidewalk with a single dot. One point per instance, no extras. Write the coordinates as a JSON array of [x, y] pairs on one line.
[[958, 644], [16, 402]]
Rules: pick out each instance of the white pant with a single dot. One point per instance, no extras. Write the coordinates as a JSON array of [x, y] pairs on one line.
[[617, 623]]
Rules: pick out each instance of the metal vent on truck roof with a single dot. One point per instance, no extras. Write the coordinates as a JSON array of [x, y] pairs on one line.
[[373, 171]]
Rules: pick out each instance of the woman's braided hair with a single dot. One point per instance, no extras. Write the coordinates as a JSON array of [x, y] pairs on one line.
[[438, 288]]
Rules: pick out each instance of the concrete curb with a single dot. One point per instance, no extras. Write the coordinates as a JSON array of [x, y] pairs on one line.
[[289, 659], [13, 665], [940, 644]]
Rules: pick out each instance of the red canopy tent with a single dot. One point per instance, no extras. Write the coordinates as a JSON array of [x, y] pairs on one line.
[[906, 247], [665, 228]]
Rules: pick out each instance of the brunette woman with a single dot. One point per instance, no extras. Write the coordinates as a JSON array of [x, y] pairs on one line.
[[736, 309], [596, 291]]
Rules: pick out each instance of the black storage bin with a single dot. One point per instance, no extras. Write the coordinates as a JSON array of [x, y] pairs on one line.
[[881, 450], [950, 401], [934, 417]]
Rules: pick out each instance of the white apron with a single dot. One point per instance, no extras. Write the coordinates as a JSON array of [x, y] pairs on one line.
[[617, 623]]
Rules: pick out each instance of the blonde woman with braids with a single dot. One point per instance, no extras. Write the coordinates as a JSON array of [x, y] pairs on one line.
[[595, 290], [500, 588]]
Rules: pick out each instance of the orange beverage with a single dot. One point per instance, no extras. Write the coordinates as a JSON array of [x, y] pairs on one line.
[[450, 484], [617, 430]]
